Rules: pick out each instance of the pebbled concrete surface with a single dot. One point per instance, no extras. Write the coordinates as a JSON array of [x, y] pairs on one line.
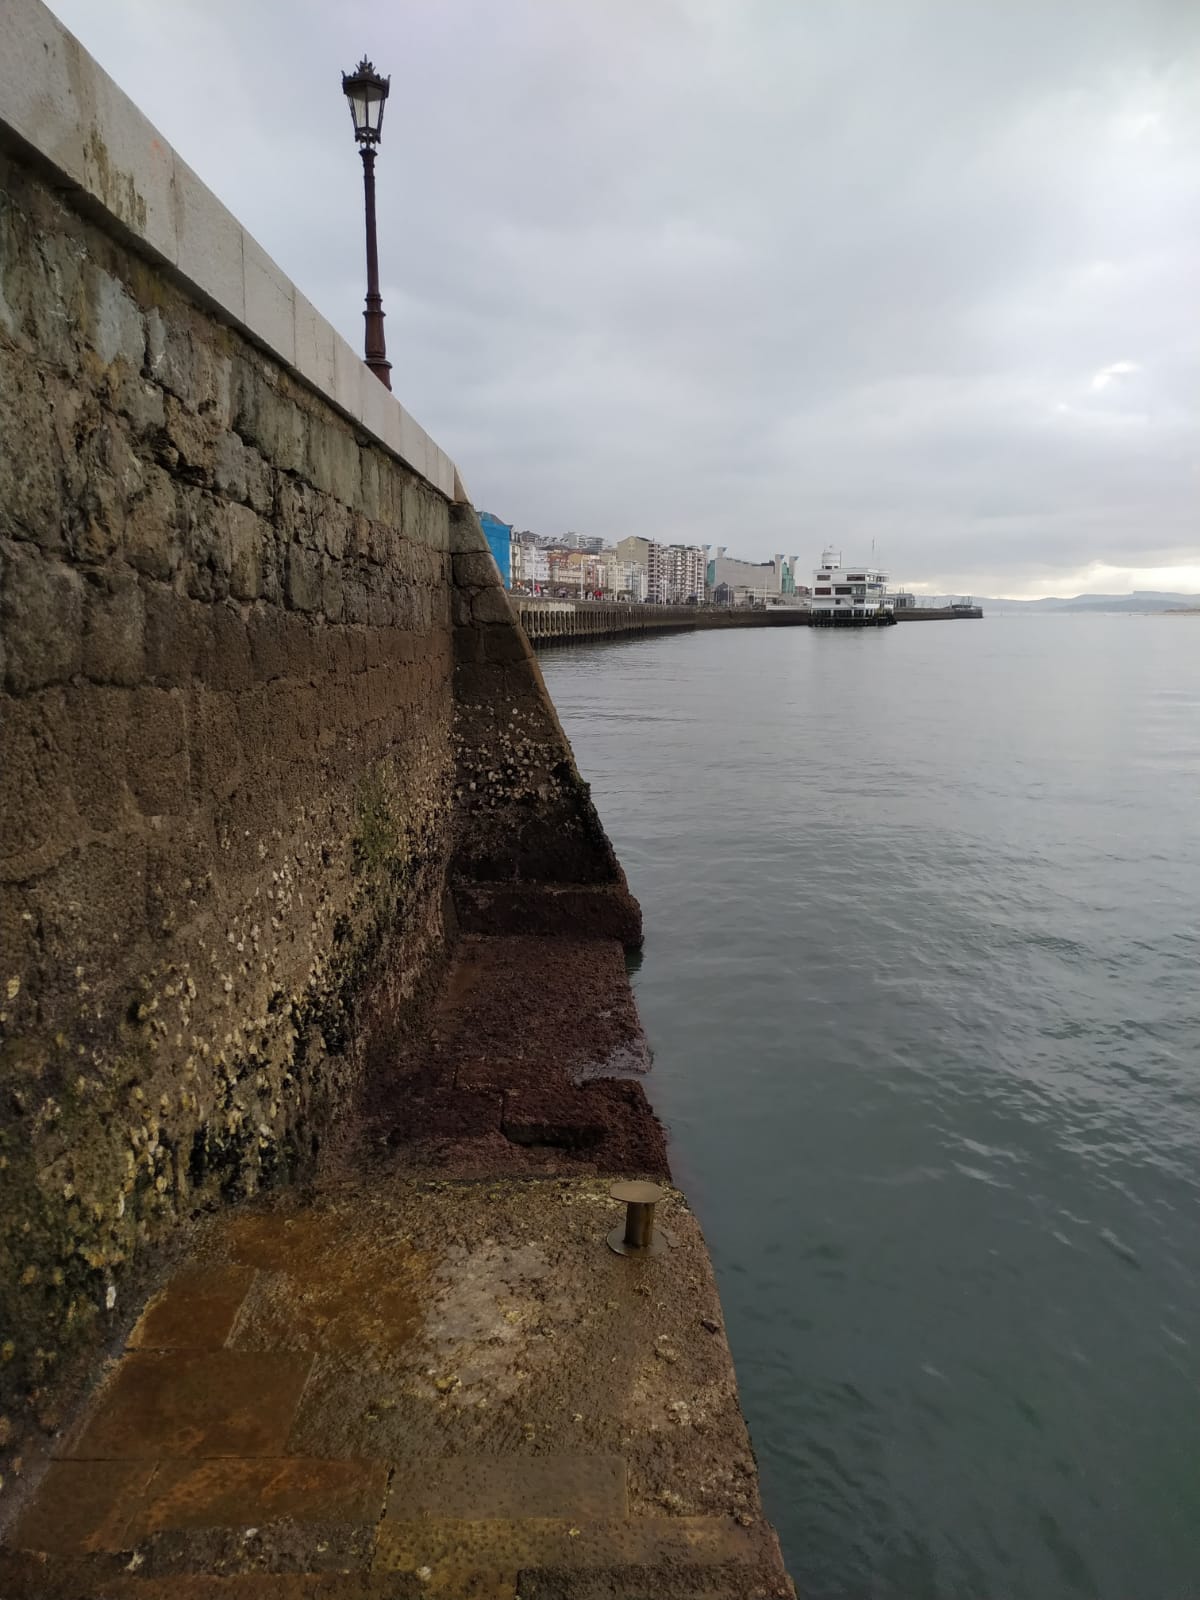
[[411, 1379]]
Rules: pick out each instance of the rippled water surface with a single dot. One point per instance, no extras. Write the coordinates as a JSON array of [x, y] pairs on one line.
[[922, 976]]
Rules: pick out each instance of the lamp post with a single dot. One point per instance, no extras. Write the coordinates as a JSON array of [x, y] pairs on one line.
[[367, 92]]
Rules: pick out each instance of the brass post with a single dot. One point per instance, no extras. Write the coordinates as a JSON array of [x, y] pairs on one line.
[[637, 1237]]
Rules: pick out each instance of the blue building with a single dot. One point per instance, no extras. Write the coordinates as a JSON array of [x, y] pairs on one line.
[[499, 538]]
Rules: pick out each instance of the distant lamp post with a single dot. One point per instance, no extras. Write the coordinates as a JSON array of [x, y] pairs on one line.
[[367, 93]]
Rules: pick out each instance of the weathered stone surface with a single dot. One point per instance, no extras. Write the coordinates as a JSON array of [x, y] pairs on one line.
[[475, 568], [490, 605], [41, 614], [491, 1400], [114, 629], [235, 787]]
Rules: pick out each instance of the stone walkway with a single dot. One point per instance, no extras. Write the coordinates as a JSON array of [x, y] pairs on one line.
[[409, 1384]]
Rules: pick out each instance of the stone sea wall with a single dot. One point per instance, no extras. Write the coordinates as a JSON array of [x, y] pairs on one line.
[[264, 707]]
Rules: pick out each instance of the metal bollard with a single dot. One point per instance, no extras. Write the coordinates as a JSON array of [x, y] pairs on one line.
[[637, 1237]]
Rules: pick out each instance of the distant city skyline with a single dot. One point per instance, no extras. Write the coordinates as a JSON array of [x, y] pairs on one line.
[[761, 276]]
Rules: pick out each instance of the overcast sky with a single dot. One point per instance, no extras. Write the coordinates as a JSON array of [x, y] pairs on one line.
[[764, 273]]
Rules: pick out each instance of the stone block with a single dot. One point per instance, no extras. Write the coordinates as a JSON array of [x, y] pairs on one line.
[[332, 597], [228, 1493], [208, 549], [171, 356], [228, 663], [248, 538], [444, 475], [349, 373], [16, 280], [485, 1486], [209, 243], [439, 528], [500, 1544], [112, 478], [41, 609], [414, 445], [100, 718], [158, 751], [333, 524], [30, 490], [504, 642], [270, 299], [190, 436], [491, 605], [229, 466], [195, 1403], [260, 483], [37, 768], [303, 580], [381, 413], [175, 628], [92, 906], [196, 1310], [114, 629], [271, 421], [385, 546], [370, 495], [132, 396], [83, 1506], [214, 382], [215, 744], [356, 599], [476, 569], [466, 536], [56, 311], [152, 539], [128, 166], [116, 330], [314, 341], [468, 646]]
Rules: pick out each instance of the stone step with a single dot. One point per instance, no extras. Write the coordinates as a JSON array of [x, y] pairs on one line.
[[30, 1578], [656, 1583], [474, 1488], [514, 1544]]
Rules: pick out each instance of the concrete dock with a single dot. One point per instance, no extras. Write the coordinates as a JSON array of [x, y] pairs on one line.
[[553, 622], [426, 1373], [561, 622]]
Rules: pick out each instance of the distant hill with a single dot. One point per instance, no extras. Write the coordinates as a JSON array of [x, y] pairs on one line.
[[1139, 600]]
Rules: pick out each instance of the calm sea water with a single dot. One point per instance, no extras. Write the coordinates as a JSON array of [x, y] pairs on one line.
[[922, 976]]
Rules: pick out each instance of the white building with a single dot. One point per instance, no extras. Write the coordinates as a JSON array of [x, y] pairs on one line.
[[530, 566], [855, 595], [675, 573], [685, 570], [624, 580]]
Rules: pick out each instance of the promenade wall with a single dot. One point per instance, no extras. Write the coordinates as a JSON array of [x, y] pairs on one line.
[[266, 714]]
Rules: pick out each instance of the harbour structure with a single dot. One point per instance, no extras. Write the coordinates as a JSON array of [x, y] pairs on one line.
[[282, 670], [849, 596]]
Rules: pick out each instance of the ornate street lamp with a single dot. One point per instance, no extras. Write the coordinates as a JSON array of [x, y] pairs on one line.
[[367, 93]]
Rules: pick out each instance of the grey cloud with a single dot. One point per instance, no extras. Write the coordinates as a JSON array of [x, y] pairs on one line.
[[743, 270]]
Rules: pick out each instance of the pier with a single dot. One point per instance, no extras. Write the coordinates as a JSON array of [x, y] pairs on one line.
[[550, 622], [563, 622], [938, 613]]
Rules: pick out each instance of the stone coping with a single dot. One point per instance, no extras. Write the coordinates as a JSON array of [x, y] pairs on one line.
[[56, 100]]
